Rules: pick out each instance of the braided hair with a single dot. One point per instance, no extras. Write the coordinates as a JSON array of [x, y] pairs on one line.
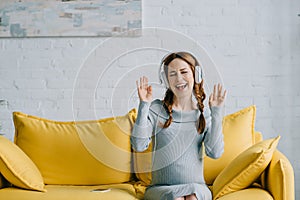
[[198, 89]]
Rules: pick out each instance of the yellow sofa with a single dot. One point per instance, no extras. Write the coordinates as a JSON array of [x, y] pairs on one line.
[[94, 160]]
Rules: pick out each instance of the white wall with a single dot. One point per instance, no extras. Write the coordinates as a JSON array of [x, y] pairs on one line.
[[255, 46]]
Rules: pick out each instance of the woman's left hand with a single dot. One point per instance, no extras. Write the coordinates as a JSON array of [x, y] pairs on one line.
[[217, 98]]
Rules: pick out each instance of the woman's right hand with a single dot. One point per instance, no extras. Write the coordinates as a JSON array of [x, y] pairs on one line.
[[144, 90]]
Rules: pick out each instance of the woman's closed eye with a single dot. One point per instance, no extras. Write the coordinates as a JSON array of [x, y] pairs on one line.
[[172, 74]]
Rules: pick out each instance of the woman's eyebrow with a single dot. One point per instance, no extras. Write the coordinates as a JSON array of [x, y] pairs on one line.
[[185, 68], [182, 69]]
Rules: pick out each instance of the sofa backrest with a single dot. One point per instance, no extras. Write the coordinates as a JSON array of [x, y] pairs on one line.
[[239, 135], [77, 153]]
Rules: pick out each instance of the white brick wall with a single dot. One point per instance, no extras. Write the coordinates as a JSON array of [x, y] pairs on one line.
[[255, 45]]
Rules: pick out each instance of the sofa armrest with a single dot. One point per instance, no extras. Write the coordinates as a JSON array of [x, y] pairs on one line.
[[278, 178]]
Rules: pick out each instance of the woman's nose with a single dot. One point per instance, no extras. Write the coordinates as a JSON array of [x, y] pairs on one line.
[[179, 76]]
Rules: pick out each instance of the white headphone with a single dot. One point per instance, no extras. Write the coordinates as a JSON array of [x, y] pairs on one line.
[[164, 80]]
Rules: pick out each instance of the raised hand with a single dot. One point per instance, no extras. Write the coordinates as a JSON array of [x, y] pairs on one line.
[[217, 98], [144, 90]]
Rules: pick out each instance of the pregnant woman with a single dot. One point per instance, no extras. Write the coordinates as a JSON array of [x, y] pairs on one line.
[[179, 127]]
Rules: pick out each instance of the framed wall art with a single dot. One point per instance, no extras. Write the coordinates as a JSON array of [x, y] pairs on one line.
[[58, 18]]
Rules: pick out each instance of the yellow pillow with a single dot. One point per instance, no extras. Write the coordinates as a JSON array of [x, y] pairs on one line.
[[239, 134], [77, 153], [17, 168], [245, 168]]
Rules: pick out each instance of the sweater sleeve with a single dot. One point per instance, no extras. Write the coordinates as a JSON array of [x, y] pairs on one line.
[[142, 129], [213, 141]]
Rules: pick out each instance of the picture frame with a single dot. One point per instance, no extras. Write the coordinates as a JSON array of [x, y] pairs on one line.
[[65, 18]]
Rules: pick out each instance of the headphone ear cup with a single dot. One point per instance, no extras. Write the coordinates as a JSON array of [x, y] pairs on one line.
[[162, 76], [165, 79], [198, 74]]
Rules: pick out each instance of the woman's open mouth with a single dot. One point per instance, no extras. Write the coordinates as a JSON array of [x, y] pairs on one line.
[[181, 86]]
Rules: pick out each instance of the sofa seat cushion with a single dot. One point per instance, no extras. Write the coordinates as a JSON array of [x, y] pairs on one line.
[[77, 152], [65, 192], [248, 194]]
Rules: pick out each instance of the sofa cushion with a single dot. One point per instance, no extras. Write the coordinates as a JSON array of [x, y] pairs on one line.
[[248, 194], [239, 134], [77, 152], [245, 168], [70, 192], [17, 167]]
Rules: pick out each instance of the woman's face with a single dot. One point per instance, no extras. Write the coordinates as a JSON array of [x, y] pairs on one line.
[[181, 79]]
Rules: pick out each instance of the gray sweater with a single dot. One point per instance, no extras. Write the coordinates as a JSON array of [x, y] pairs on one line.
[[177, 156]]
